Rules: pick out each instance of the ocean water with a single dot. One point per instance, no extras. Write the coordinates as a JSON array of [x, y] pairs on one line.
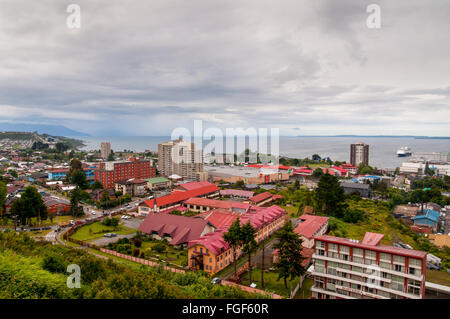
[[382, 150]]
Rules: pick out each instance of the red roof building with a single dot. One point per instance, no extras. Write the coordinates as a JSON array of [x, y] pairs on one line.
[[236, 193], [205, 204], [311, 225], [261, 199], [211, 253], [194, 185], [176, 198]]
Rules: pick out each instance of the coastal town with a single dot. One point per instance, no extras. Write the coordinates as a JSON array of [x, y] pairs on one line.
[[309, 228]]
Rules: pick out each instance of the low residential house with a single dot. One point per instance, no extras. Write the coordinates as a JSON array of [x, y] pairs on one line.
[[57, 206], [428, 218], [177, 230], [261, 199], [133, 187], [310, 226], [352, 187], [198, 204], [341, 172], [176, 198], [158, 183], [236, 193], [421, 229], [350, 168], [189, 186]]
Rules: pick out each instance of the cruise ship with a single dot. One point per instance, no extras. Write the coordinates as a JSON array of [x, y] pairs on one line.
[[404, 151]]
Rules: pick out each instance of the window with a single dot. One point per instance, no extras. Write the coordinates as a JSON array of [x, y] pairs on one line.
[[344, 249], [332, 247], [357, 252], [399, 259], [415, 262], [398, 268]]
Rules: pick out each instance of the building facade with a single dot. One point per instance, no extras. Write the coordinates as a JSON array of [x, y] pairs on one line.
[[105, 150], [110, 172], [352, 269], [359, 153], [180, 158]]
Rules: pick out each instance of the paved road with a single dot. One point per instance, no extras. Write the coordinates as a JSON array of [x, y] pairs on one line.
[[105, 240]]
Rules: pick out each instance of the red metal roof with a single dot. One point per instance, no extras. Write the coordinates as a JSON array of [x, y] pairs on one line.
[[195, 185], [180, 228], [340, 169], [219, 217], [214, 241], [236, 192], [179, 196], [310, 225], [260, 197], [372, 239], [216, 203]]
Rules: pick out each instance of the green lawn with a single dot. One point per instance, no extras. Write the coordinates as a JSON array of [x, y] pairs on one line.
[[438, 277], [271, 283], [176, 256], [97, 230]]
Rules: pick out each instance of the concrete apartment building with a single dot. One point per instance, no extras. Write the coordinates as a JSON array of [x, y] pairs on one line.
[[353, 269], [105, 150], [109, 173], [359, 153], [180, 158]]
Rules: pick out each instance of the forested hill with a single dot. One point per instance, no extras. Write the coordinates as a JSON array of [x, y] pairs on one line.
[[28, 139]]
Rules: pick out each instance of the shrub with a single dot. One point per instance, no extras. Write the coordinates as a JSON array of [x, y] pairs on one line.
[[136, 252], [159, 247], [53, 263], [137, 242]]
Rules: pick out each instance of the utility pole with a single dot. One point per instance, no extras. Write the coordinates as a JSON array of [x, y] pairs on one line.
[[262, 262]]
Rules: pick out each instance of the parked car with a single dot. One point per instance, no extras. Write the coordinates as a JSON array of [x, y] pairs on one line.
[[109, 235], [216, 280]]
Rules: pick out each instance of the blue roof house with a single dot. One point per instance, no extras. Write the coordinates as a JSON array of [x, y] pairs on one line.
[[428, 218]]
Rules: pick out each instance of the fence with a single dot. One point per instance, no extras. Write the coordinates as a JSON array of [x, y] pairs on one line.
[[140, 260], [294, 292], [250, 289]]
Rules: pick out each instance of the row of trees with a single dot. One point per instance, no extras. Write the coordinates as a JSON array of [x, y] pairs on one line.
[[288, 244]]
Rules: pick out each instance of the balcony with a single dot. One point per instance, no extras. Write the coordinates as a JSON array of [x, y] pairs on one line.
[[392, 272]]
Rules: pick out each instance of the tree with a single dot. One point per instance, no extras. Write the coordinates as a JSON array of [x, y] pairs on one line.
[[248, 233], [289, 246], [317, 172], [29, 205], [330, 196], [13, 173], [61, 147], [111, 156], [78, 178], [3, 192], [233, 238], [75, 197], [96, 185], [364, 169]]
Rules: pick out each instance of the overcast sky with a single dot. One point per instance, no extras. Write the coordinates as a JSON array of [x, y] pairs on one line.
[[307, 67]]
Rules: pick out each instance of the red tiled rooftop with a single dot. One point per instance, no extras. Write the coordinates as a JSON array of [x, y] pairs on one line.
[[180, 228], [236, 192], [194, 185], [260, 197], [178, 196], [216, 203], [219, 217], [310, 225]]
